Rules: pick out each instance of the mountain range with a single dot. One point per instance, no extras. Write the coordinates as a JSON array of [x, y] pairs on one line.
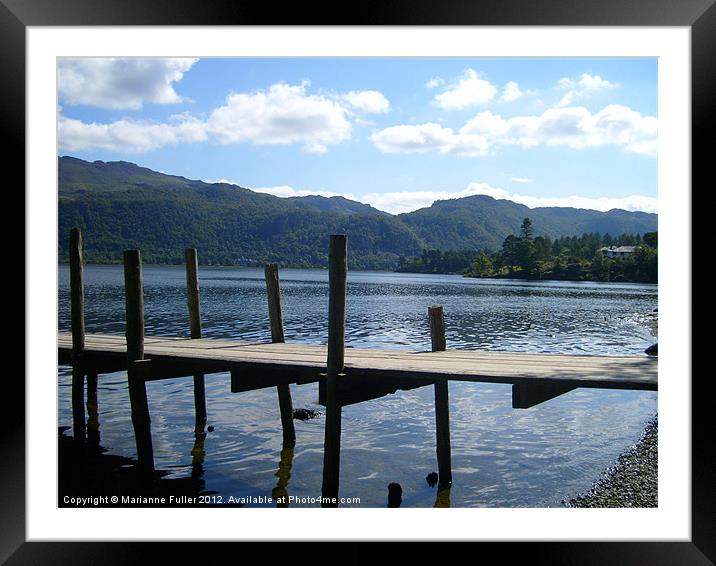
[[120, 205]]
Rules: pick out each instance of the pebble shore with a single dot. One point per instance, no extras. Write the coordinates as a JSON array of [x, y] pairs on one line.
[[632, 481]]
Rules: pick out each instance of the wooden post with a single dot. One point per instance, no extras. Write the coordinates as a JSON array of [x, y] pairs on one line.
[[192, 294], [442, 411], [337, 274], [134, 304], [273, 291], [77, 299], [77, 313], [285, 402]]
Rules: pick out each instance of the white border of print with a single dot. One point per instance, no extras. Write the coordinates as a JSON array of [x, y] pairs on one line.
[[670, 521]]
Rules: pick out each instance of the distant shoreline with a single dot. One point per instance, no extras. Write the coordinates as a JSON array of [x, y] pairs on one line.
[[520, 279]]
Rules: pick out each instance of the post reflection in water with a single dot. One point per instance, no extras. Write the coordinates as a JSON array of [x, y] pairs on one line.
[[92, 414], [443, 498], [279, 493], [565, 443], [198, 453]]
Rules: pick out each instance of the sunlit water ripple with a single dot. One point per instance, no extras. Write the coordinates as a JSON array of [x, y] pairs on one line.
[[500, 456]]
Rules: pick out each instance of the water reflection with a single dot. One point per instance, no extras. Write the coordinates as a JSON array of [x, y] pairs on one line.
[[280, 493], [443, 497], [98, 475], [93, 438], [501, 457], [386, 309], [198, 453]]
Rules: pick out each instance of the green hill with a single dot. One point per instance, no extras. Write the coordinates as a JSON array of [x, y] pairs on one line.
[[480, 221], [119, 205], [338, 204]]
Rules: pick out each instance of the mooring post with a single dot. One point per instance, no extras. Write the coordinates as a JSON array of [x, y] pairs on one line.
[[285, 403], [192, 294], [337, 274], [77, 314], [136, 372], [442, 411]]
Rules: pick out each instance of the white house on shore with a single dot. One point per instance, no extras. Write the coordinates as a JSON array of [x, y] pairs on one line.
[[617, 251]]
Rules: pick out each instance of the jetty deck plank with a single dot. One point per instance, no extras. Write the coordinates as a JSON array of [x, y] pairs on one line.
[[611, 372]]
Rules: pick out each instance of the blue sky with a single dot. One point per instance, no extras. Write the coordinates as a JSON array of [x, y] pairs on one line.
[[396, 133]]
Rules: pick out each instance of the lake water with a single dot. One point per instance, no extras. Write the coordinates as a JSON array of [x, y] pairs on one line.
[[501, 457]]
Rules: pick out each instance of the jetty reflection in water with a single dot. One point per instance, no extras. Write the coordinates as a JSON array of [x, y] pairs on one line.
[[501, 457], [85, 473], [443, 497], [280, 493]]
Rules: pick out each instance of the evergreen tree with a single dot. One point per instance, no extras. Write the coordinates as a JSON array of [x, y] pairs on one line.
[[482, 267], [526, 230]]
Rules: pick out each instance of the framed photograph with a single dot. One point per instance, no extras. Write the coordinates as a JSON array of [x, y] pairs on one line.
[[447, 143]]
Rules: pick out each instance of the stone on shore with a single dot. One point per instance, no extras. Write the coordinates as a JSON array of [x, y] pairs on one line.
[[632, 482]]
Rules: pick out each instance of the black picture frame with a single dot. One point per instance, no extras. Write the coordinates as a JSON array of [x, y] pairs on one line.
[[698, 15]]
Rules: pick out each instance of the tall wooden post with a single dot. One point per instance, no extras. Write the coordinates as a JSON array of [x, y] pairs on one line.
[[285, 402], [442, 411], [192, 294], [134, 305], [77, 313], [337, 275]]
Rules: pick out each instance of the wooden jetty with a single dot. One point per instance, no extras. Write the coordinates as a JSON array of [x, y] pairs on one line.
[[345, 375]]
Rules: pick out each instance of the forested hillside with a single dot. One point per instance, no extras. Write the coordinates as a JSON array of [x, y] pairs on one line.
[[119, 205]]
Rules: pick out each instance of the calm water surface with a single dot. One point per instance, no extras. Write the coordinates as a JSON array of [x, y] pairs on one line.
[[501, 457]]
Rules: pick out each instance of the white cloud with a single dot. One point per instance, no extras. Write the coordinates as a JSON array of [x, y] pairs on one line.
[[129, 135], [282, 115], [435, 82], [521, 180], [468, 90], [423, 138], [511, 92], [574, 127], [407, 201], [125, 83], [367, 101], [584, 87]]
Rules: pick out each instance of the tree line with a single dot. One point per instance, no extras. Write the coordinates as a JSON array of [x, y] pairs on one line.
[[568, 258]]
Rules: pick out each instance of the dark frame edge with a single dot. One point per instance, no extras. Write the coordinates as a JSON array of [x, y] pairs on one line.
[[12, 123], [703, 92], [701, 549]]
